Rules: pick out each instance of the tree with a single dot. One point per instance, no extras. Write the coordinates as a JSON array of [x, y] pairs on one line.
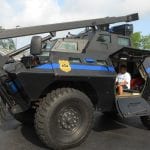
[[7, 44], [140, 41], [145, 42], [136, 39]]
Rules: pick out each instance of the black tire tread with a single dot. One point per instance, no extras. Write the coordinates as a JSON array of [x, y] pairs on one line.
[[44, 105]]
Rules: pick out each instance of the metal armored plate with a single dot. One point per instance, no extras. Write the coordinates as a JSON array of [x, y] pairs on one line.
[[132, 106], [3, 60]]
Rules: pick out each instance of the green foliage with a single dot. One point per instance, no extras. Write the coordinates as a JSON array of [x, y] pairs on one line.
[[7, 44], [140, 41], [145, 42], [136, 39]]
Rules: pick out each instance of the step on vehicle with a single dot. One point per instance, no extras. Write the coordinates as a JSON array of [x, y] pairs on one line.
[[62, 80]]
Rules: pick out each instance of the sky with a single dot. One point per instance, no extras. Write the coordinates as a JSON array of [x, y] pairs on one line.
[[37, 12]]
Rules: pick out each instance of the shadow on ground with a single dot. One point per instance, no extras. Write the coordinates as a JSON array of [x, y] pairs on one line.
[[106, 122], [29, 133], [110, 132], [101, 123]]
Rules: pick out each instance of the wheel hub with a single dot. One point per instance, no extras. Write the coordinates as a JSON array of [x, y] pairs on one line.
[[68, 119]]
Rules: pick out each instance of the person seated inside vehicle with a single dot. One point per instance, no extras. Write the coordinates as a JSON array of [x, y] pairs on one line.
[[123, 80], [137, 83]]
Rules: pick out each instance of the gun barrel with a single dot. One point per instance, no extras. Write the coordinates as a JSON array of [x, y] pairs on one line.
[[25, 31]]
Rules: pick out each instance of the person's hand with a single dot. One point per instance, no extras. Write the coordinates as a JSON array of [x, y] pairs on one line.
[[123, 83]]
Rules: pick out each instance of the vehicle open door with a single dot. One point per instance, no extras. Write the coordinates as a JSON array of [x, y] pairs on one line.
[[131, 106], [134, 103], [146, 91]]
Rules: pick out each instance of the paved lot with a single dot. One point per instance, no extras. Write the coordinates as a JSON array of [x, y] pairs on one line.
[[108, 134]]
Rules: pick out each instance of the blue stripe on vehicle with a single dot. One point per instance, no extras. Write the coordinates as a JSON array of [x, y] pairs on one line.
[[55, 66], [111, 69], [148, 70], [89, 67], [78, 67], [89, 60], [45, 66], [48, 66]]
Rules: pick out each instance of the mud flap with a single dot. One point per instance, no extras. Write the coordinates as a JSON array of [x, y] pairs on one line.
[[132, 106]]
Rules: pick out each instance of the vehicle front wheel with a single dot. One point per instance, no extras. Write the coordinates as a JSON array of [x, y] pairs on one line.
[[146, 121], [64, 118]]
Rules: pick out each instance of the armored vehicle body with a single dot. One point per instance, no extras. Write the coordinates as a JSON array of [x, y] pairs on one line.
[[62, 81]]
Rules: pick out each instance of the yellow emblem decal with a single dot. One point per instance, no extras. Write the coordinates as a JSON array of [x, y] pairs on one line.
[[65, 65]]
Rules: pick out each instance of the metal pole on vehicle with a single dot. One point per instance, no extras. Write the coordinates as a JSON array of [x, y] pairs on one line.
[[17, 37]]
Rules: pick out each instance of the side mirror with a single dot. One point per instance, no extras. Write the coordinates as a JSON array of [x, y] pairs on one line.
[[36, 45]]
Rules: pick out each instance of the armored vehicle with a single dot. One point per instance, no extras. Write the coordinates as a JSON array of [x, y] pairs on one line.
[[62, 81]]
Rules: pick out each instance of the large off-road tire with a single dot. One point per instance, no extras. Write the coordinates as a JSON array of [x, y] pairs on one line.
[[146, 121], [64, 118], [26, 118]]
